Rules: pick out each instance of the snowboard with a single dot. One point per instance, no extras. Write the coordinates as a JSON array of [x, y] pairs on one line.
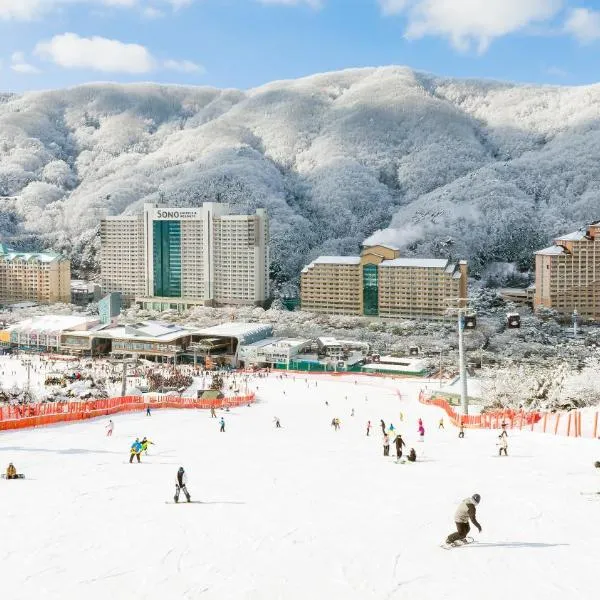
[[18, 476], [590, 493], [183, 502], [447, 546]]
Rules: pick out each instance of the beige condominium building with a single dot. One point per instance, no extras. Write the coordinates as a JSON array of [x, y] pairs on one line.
[[381, 283], [567, 274], [180, 257], [43, 277]]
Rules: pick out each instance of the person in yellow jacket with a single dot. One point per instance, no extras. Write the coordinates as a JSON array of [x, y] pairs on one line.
[[11, 471]]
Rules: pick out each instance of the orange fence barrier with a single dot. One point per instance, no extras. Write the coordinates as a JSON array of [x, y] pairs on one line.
[[488, 420], [576, 423], [36, 415]]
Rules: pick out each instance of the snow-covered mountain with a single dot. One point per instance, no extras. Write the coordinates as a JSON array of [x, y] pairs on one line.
[[482, 170]]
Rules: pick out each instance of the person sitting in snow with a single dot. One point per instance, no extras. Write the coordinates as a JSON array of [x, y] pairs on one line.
[[412, 455], [11, 471]]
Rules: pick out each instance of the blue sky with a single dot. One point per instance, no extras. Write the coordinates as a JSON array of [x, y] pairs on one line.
[[244, 43]]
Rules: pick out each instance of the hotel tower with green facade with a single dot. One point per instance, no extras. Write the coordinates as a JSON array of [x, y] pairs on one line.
[[181, 257]]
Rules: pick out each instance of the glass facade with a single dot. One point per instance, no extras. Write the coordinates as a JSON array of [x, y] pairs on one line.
[[167, 258], [371, 290]]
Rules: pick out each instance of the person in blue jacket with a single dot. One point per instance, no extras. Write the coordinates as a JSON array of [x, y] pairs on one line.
[[136, 449], [222, 424]]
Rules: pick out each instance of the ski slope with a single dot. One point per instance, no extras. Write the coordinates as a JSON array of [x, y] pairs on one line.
[[301, 512]]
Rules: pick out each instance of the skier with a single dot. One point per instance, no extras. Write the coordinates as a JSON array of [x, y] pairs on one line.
[[181, 485], [386, 444], [368, 427], [277, 423], [148, 413], [421, 431], [145, 442], [109, 428], [401, 417], [503, 443], [135, 450], [222, 424], [11, 471], [412, 455], [441, 425], [399, 443], [465, 511], [461, 433]]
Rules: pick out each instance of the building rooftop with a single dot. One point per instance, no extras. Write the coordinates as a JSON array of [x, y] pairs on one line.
[[336, 260], [47, 256], [552, 250], [390, 246], [235, 329], [51, 324], [427, 263], [575, 236]]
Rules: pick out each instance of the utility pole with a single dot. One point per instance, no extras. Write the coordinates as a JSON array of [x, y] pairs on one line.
[[575, 318], [27, 364], [464, 399], [440, 371]]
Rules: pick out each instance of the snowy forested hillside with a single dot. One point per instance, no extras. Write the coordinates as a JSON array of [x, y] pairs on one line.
[[481, 170]]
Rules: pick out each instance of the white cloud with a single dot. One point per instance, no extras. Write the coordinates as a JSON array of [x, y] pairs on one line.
[[183, 66], [468, 22], [152, 13], [19, 64], [29, 10], [97, 53], [584, 24]]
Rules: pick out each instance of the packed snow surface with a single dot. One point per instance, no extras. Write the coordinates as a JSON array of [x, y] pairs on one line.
[[298, 512]]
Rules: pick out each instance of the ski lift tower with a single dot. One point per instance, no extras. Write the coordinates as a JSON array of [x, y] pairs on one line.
[[458, 307], [126, 362]]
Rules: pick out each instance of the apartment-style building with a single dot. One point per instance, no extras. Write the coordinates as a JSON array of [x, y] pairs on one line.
[[43, 277], [567, 274], [381, 283]]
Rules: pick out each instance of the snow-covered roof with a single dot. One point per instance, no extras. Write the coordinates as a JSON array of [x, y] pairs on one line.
[[575, 236], [336, 260], [141, 331], [51, 324], [552, 250], [153, 329], [427, 263], [390, 246], [44, 257], [245, 333]]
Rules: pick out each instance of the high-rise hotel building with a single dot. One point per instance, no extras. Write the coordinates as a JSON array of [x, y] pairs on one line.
[[181, 257], [381, 283], [567, 274]]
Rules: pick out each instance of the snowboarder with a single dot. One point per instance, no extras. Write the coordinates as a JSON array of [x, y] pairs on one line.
[[461, 433], [148, 413], [181, 485], [135, 450], [145, 442], [11, 472], [386, 444], [503, 443], [109, 428], [401, 417], [382, 423], [352, 413], [465, 511], [277, 423], [412, 455], [421, 431], [335, 423], [399, 443], [368, 427], [441, 425], [213, 412], [222, 424], [392, 428]]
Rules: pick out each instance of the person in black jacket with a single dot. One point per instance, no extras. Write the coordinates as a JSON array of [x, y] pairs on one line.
[[412, 455], [399, 444], [181, 485]]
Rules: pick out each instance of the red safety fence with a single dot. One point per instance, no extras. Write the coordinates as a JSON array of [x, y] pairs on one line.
[[36, 415], [488, 420], [575, 423]]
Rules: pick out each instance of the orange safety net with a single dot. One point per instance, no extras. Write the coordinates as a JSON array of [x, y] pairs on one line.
[[36, 415]]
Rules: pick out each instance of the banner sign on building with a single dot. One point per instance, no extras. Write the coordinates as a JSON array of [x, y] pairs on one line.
[[177, 214]]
